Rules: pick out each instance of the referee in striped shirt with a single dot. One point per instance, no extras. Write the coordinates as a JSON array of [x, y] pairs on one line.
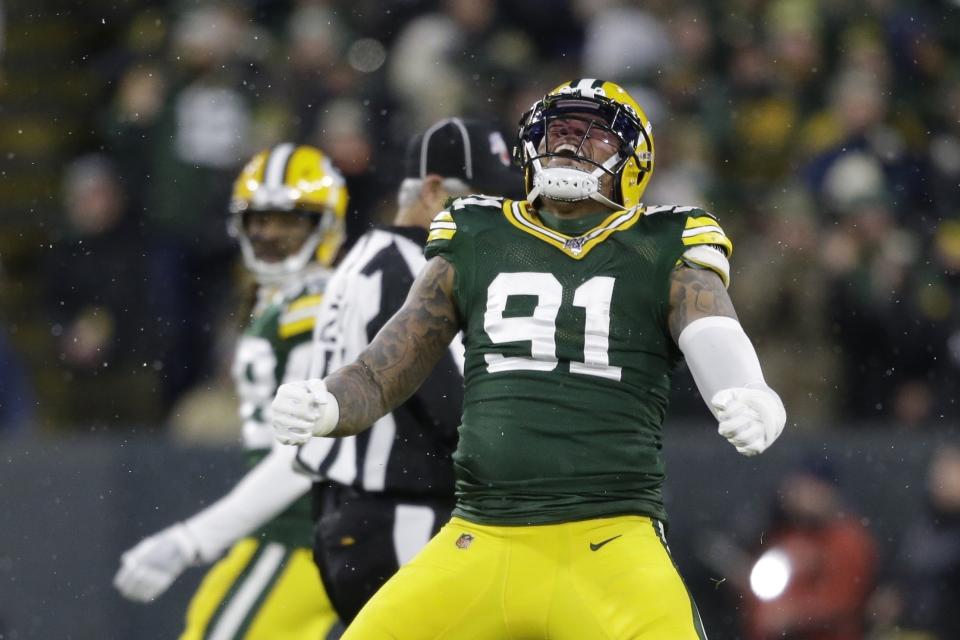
[[381, 495]]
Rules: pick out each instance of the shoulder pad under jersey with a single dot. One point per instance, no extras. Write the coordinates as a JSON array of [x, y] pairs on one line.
[[708, 246]]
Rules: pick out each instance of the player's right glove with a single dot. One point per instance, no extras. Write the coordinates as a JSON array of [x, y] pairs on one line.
[[751, 419], [154, 563], [302, 410]]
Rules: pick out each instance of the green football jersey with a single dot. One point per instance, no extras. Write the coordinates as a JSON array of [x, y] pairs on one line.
[[568, 354], [275, 347]]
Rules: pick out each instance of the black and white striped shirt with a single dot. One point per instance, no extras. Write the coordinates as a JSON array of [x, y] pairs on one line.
[[407, 451]]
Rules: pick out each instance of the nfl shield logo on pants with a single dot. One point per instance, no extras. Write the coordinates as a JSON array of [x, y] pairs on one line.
[[464, 540]]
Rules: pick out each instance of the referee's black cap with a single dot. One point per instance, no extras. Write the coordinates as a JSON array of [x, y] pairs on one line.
[[470, 150]]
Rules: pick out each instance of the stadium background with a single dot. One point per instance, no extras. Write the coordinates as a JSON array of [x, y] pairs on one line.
[[824, 134]]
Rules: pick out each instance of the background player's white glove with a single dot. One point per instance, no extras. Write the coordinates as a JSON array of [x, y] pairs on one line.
[[751, 419], [303, 409], [154, 563]]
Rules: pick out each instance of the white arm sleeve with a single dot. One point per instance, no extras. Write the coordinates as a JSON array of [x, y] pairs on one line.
[[266, 490], [720, 356]]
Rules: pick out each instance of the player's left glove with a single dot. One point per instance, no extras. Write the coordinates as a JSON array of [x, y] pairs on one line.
[[751, 419], [154, 563]]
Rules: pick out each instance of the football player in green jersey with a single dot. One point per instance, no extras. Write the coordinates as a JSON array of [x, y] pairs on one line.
[[288, 209], [575, 307]]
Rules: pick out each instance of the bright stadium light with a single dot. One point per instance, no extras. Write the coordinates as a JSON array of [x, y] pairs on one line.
[[770, 575]]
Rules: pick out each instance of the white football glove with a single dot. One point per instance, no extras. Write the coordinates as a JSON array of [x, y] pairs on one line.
[[751, 419], [302, 410], [154, 563]]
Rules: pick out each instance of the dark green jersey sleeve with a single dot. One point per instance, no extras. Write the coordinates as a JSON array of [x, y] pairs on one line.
[[443, 239], [706, 245], [452, 236]]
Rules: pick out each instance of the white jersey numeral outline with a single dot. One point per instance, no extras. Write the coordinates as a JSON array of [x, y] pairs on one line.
[[540, 328], [254, 373]]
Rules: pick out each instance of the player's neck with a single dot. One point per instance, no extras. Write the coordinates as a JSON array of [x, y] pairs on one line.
[[572, 210]]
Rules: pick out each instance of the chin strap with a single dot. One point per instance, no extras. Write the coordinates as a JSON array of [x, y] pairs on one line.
[[602, 199]]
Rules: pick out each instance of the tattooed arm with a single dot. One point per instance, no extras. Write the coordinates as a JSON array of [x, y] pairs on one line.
[[401, 355], [723, 361], [695, 294]]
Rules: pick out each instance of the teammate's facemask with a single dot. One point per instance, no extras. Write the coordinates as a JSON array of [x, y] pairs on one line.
[[602, 108], [297, 180]]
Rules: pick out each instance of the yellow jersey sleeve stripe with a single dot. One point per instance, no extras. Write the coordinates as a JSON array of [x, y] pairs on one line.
[[299, 316], [443, 227], [441, 234], [711, 237], [713, 228], [702, 221], [304, 302], [290, 329]]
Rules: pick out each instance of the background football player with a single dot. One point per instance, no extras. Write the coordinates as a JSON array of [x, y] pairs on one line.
[[387, 491], [575, 307], [288, 208]]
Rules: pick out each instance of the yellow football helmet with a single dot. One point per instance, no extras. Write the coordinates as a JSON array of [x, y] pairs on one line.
[[297, 179], [630, 168]]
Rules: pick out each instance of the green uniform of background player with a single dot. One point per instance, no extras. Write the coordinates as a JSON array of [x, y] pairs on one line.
[[574, 308], [288, 208]]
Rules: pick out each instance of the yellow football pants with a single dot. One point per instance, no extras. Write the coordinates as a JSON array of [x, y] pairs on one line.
[[603, 578], [261, 591]]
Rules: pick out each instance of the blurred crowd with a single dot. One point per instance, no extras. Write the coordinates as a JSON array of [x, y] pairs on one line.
[[825, 135], [811, 566]]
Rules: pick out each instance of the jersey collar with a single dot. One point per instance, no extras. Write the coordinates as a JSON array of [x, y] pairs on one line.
[[518, 213]]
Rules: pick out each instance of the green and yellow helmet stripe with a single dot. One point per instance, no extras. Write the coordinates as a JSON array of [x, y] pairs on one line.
[[294, 178]]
